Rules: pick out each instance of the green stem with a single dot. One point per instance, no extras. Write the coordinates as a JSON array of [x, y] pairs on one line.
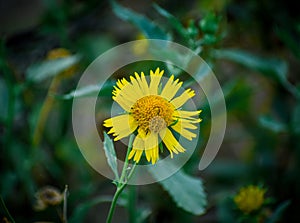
[[121, 184], [132, 204], [5, 210], [8, 75], [114, 202], [64, 216]]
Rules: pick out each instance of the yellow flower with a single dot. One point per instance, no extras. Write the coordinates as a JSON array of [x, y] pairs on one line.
[[140, 48], [152, 113], [62, 53], [249, 198]]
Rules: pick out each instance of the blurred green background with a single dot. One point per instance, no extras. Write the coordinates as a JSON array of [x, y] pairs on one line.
[[253, 48]]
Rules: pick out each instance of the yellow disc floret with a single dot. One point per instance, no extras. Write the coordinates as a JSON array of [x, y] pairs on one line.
[[152, 113]]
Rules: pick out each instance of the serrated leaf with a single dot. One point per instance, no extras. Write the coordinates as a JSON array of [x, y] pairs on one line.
[[275, 217], [186, 191], [110, 154], [43, 70], [149, 28]]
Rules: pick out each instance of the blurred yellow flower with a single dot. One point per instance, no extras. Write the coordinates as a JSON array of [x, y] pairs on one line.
[[153, 112], [140, 48], [250, 198], [61, 53]]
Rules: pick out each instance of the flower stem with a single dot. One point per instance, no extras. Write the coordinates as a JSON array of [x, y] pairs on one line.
[[121, 184], [132, 204], [64, 219]]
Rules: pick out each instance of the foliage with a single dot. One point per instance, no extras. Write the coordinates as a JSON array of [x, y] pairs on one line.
[[253, 48]]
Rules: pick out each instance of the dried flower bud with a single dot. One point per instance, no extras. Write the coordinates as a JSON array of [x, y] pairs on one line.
[[47, 196]]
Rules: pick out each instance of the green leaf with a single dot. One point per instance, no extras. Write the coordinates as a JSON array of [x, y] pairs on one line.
[[81, 210], [4, 100], [275, 217], [142, 215], [273, 67], [289, 40], [273, 125], [82, 92], [4, 211], [41, 71], [237, 95], [150, 29], [110, 155], [187, 191], [209, 24], [296, 119], [173, 21], [90, 90]]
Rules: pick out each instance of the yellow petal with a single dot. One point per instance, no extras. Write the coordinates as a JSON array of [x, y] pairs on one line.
[[180, 100], [171, 88], [171, 143], [187, 116], [142, 83], [155, 80], [181, 128], [136, 154], [123, 102], [131, 91], [136, 87], [151, 142], [137, 149], [138, 143], [121, 125], [154, 154]]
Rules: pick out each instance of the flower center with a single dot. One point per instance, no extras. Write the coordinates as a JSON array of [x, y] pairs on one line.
[[152, 113]]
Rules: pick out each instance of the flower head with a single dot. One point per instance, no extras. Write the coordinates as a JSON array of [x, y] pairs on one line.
[[47, 196], [153, 114], [249, 198], [58, 53]]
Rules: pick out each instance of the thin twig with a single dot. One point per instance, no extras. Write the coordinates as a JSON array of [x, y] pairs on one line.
[[65, 205]]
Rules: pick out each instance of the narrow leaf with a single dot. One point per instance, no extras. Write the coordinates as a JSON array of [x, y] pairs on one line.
[[173, 21], [273, 125], [187, 191], [275, 217], [82, 92], [296, 119], [90, 90], [4, 211], [41, 71], [150, 29], [82, 209], [111, 155], [289, 40], [273, 67]]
